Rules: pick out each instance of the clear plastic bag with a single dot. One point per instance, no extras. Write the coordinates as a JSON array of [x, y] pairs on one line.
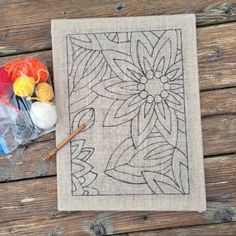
[[27, 107]]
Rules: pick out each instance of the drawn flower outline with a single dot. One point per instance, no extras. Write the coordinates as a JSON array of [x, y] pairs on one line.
[[146, 86]]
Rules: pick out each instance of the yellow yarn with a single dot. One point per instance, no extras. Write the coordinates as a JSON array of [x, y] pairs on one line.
[[44, 92], [24, 86]]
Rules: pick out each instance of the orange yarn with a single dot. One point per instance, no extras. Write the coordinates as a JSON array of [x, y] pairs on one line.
[[27, 66], [44, 92], [17, 68]]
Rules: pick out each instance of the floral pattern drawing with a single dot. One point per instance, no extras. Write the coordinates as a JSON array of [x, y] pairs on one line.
[[141, 73]]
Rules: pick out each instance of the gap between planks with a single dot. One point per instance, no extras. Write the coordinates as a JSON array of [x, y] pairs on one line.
[[216, 229], [217, 70], [219, 136], [31, 33], [34, 205], [216, 56]]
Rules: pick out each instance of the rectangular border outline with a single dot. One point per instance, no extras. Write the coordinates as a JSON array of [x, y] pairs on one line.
[[66, 36]]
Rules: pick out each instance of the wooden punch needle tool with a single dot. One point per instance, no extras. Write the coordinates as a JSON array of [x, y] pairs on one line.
[[63, 143]]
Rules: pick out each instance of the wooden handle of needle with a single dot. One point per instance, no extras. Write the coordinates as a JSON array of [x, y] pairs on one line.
[[64, 142]]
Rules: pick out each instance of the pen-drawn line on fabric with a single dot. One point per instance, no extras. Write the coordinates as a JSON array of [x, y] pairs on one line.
[[146, 84]]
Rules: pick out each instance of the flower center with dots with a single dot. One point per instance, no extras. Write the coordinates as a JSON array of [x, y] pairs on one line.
[[154, 87]]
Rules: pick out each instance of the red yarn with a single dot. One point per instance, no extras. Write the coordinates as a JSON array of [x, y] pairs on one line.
[[5, 84], [27, 66]]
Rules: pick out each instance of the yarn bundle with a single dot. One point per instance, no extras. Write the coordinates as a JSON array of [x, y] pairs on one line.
[[26, 90], [30, 66], [5, 85]]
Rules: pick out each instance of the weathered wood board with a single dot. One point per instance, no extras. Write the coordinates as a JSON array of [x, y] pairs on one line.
[[216, 56], [217, 67], [208, 230], [32, 33], [32, 208]]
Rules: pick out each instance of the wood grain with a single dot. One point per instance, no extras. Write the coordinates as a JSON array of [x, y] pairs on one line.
[[219, 137], [219, 134], [26, 162], [216, 56], [28, 207], [31, 208], [228, 229], [25, 25], [218, 102]]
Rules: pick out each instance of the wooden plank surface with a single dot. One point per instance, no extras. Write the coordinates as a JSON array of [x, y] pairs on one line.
[[25, 25], [219, 132], [228, 229], [219, 135], [31, 209], [218, 102], [216, 56]]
